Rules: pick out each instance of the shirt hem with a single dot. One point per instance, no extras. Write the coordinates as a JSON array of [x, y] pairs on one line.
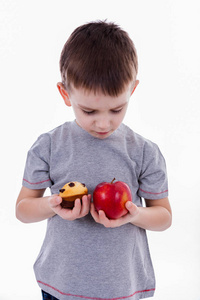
[[144, 293]]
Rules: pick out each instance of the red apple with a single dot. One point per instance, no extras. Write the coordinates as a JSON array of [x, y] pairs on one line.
[[111, 198]]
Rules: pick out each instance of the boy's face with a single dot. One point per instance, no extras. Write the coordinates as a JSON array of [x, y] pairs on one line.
[[100, 115]]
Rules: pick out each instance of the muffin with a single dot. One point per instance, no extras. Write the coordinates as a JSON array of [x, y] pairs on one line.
[[70, 192]]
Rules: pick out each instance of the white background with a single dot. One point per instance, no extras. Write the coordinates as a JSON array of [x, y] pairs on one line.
[[164, 108]]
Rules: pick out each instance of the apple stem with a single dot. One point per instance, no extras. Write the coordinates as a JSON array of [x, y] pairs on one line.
[[112, 180]]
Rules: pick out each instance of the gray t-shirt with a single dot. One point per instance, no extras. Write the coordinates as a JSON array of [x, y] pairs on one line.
[[81, 259]]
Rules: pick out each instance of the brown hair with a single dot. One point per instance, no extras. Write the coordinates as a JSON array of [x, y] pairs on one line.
[[99, 56]]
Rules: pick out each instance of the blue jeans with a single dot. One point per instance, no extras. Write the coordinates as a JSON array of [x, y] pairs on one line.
[[46, 296]]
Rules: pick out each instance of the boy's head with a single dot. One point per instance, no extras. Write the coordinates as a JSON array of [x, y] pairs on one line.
[[99, 57], [98, 66]]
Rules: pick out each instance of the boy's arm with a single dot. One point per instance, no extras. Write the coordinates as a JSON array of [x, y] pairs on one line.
[[156, 216], [32, 207]]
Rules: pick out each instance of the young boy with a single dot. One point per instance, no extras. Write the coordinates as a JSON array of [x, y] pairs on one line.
[[85, 255]]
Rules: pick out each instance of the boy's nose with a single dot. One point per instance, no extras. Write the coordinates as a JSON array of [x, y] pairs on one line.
[[103, 123]]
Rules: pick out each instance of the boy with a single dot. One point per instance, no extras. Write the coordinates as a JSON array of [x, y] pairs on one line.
[[84, 254]]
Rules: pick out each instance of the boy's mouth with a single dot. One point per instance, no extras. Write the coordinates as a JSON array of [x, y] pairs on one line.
[[103, 132]]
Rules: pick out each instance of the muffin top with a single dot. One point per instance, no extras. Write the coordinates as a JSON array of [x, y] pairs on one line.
[[73, 188]]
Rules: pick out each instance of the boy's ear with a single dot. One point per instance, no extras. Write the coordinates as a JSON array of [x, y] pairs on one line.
[[135, 85], [63, 93]]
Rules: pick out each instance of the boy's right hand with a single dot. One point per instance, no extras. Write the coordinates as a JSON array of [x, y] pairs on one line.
[[79, 210]]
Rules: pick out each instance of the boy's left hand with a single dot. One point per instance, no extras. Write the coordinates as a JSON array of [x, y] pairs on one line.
[[100, 217]]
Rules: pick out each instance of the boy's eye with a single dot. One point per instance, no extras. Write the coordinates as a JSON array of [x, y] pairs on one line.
[[117, 111], [88, 112]]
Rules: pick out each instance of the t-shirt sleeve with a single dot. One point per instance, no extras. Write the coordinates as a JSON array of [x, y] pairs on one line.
[[153, 182], [36, 173]]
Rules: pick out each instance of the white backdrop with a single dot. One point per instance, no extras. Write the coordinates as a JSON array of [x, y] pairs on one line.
[[164, 108]]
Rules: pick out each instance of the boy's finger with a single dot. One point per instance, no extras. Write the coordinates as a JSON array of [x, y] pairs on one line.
[[85, 205], [132, 208], [94, 213], [55, 201], [77, 208]]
